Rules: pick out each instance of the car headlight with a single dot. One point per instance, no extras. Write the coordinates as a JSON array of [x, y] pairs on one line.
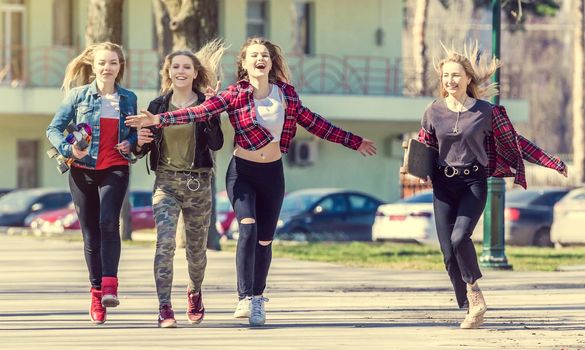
[[279, 223]]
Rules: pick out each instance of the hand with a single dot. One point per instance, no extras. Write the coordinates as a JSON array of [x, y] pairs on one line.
[[210, 92], [144, 136], [367, 148], [77, 154], [123, 147], [565, 172], [426, 182], [142, 120]]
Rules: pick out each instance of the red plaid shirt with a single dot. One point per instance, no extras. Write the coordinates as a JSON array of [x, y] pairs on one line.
[[506, 149], [238, 101]]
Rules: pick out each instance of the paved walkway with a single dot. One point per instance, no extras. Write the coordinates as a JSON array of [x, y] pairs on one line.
[[44, 300]]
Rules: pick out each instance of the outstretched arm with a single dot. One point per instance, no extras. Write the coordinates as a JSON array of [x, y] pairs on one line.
[[537, 155], [322, 128], [201, 113]]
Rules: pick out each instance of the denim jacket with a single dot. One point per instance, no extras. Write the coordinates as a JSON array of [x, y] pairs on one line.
[[83, 105]]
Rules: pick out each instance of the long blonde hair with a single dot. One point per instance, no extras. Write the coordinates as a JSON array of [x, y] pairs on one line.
[[279, 69], [477, 65], [79, 70], [206, 62]]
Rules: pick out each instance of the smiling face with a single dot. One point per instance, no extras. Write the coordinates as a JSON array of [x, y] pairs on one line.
[[106, 66], [182, 72], [257, 61], [454, 79]]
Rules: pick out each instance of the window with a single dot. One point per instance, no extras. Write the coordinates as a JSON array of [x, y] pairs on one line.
[[302, 30], [334, 204], [11, 42], [362, 204], [256, 18], [63, 22]]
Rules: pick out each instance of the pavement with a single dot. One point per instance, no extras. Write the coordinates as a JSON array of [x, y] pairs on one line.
[[44, 298]]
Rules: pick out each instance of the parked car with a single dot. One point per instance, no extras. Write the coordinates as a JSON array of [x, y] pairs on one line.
[[528, 216], [569, 219], [58, 221], [17, 205], [224, 214], [324, 214], [4, 191], [408, 219]]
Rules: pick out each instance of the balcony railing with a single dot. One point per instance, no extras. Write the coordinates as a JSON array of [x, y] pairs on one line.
[[318, 74]]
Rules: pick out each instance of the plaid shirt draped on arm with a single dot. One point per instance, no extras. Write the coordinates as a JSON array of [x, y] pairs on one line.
[[506, 149]]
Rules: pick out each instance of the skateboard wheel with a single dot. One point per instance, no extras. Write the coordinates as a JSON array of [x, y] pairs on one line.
[[405, 144], [52, 152], [81, 145]]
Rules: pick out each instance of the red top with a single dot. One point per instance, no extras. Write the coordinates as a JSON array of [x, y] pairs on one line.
[[108, 155]]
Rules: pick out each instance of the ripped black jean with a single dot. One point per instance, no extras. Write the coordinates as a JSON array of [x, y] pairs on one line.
[[256, 191]]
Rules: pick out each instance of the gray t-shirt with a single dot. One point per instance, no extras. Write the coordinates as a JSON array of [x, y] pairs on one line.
[[466, 146]]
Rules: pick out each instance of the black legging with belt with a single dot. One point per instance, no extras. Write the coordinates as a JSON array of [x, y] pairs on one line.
[[458, 202]]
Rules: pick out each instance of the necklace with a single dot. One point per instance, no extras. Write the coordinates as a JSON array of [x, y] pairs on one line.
[[455, 128], [184, 104]]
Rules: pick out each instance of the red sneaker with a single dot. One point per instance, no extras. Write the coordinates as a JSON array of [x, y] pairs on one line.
[[166, 317], [195, 309], [110, 292], [97, 313]]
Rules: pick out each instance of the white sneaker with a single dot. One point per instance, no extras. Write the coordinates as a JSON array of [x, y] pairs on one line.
[[257, 311], [243, 308]]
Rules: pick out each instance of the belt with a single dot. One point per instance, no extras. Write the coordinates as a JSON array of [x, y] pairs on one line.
[[187, 173], [451, 171]]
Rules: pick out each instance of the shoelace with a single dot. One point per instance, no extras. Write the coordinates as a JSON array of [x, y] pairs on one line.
[[194, 302], [166, 312], [258, 306]]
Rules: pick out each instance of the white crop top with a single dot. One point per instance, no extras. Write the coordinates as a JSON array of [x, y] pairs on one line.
[[270, 112]]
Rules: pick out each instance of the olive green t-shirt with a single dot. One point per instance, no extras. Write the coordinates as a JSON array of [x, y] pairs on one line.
[[178, 146]]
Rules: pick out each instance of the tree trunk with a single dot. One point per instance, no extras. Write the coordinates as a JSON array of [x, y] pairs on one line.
[[419, 47], [578, 80], [104, 21], [188, 24], [184, 24]]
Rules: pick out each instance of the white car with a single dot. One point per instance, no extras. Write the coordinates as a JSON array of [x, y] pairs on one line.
[[569, 219], [409, 219]]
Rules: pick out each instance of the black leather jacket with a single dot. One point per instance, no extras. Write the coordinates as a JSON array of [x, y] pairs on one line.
[[208, 135]]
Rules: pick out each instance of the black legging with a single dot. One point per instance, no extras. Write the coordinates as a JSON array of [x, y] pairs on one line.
[[256, 191], [98, 196], [458, 203]]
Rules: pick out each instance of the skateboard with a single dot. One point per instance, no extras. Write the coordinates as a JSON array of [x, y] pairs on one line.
[[419, 159], [77, 135]]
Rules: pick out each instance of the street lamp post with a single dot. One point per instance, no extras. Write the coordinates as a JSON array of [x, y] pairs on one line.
[[494, 249]]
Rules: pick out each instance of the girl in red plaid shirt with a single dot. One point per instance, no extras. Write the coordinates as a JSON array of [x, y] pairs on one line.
[[475, 139], [264, 110]]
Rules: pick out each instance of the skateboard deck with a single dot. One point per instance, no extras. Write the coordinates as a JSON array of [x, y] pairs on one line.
[[419, 159]]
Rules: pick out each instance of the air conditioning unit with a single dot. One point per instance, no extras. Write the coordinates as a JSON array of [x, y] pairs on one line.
[[303, 152]]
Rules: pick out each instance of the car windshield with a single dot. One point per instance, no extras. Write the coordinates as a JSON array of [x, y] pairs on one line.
[[16, 201], [426, 197], [521, 196], [298, 202]]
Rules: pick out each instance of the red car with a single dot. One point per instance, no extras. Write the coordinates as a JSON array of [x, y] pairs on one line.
[[225, 214], [58, 221]]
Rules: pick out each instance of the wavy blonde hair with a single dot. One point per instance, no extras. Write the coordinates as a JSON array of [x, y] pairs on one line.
[[206, 62], [477, 65], [79, 71], [279, 69]]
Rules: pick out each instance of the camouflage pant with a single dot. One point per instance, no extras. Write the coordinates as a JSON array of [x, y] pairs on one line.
[[171, 196]]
